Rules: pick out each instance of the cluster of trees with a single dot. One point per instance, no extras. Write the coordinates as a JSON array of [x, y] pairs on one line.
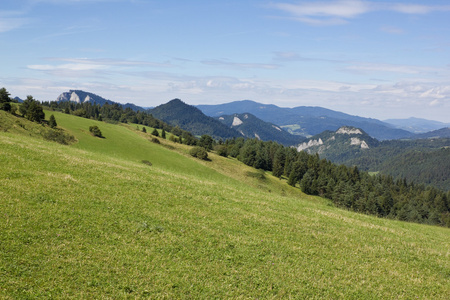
[[30, 108], [346, 186]]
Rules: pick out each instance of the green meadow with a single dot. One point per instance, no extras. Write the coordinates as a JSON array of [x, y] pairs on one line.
[[90, 220]]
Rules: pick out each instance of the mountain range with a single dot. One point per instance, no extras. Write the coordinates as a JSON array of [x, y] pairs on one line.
[[301, 121], [306, 120]]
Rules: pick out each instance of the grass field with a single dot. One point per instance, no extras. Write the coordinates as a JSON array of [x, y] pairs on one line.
[[91, 220]]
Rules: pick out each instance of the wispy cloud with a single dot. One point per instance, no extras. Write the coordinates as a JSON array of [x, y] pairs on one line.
[[226, 63], [294, 56], [78, 67], [12, 19], [341, 11], [8, 24], [392, 30], [368, 68]]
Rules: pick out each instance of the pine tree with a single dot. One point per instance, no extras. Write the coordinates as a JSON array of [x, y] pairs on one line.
[[52, 122], [163, 134], [155, 132]]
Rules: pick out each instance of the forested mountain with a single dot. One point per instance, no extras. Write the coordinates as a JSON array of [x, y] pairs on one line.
[[422, 161], [190, 118], [417, 125], [306, 120], [340, 145], [79, 96], [252, 127]]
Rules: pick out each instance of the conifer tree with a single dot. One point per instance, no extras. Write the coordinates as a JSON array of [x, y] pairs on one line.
[[52, 122]]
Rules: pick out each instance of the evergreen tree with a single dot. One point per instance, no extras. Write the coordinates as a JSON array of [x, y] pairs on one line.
[[144, 130], [163, 134], [4, 100], [52, 122], [155, 132], [4, 96], [278, 163]]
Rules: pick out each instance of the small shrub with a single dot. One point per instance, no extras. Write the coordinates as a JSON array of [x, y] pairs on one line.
[[58, 136], [146, 162], [199, 152], [95, 131], [221, 150], [155, 140]]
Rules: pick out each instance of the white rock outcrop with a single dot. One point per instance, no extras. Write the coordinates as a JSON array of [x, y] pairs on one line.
[[236, 121], [309, 144], [347, 130]]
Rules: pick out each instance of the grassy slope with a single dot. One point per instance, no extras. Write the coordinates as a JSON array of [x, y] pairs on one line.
[[91, 221]]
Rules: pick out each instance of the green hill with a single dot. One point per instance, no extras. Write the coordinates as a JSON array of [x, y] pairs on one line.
[[190, 118], [91, 220]]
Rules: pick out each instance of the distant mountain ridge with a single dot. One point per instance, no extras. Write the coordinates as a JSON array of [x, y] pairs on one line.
[[252, 127], [80, 96], [306, 120], [440, 133], [417, 125]]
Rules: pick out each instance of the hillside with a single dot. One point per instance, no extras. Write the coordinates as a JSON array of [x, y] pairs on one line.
[[252, 127], [305, 120], [190, 118], [92, 221]]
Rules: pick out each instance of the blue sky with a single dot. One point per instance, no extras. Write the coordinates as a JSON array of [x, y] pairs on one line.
[[379, 59]]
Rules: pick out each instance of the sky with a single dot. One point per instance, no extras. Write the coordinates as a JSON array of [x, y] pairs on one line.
[[377, 59]]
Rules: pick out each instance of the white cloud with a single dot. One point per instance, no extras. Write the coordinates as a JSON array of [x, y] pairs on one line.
[[341, 11], [110, 62], [69, 67]]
